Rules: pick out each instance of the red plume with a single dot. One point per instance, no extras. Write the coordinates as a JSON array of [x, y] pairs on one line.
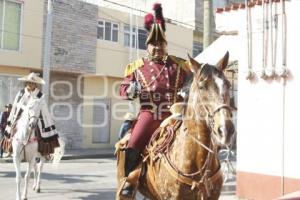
[[159, 15], [148, 21]]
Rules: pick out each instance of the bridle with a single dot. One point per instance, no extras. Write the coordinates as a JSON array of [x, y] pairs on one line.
[[210, 118], [29, 136], [211, 115]]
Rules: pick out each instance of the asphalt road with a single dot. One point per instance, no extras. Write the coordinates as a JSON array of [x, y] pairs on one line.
[[84, 179]]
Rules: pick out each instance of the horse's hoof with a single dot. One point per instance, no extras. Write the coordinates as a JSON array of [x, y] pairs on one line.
[[38, 190], [24, 199]]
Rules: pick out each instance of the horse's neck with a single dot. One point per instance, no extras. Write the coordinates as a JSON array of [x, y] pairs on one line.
[[187, 154], [22, 127]]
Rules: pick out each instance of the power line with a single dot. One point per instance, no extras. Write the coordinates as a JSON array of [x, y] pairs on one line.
[[142, 11]]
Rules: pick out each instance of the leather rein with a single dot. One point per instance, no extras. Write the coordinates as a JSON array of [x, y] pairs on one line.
[[28, 140]]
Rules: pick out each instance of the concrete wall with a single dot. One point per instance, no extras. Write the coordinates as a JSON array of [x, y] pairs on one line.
[[64, 105]]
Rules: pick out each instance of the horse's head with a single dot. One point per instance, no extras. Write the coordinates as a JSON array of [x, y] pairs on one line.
[[209, 94]]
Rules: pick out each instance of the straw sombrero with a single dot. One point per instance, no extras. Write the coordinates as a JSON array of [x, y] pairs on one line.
[[32, 77], [129, 116]]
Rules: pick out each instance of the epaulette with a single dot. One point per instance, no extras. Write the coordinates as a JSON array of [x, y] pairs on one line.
[[184, 64], [131, 67]]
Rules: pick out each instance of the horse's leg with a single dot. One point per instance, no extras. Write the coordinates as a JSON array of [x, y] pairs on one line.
[[27, 177], [39, 166], [34, 175], [16, 159]]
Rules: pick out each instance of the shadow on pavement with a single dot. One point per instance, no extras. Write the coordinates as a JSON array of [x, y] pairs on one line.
[[56, 177], [101, 195]]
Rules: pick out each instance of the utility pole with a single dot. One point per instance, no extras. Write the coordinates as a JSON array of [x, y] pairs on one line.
[[207, 22], [47, 51]]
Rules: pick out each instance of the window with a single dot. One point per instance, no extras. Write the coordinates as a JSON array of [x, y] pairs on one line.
[[142, 36], [10, 25], [197, 48], [107, 31], [127, 36], [100, 30]]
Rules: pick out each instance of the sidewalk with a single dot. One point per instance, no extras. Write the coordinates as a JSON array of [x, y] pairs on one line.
[[291, 196], [88, 153], [78, 154]]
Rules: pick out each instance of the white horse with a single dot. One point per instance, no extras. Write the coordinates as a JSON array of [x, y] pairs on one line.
[[25, 147]]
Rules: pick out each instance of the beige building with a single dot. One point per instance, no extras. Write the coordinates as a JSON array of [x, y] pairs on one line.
[[89, 51]]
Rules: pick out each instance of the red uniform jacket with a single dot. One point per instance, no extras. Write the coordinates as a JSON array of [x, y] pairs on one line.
[[160, 83]]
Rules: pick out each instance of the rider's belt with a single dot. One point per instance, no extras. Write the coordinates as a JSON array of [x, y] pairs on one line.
[[50, 128]]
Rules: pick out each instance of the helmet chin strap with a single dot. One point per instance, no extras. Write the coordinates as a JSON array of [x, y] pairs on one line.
[[157, 58]]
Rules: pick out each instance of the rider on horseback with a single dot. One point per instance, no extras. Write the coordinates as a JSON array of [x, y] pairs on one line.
[[155, 79], [28, 98]]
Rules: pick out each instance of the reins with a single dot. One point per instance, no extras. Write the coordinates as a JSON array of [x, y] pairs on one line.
[[27, 139]]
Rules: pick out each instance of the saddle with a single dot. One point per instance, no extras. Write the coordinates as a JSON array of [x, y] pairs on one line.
[[159, 142]]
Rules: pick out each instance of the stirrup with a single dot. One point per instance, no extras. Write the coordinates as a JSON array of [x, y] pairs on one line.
[[128, 190], [123, 186]]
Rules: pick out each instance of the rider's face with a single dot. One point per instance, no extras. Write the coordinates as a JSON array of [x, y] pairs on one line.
[[31, 86], [157, 50]]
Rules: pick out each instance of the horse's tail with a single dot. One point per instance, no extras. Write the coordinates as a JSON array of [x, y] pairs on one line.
[[59, 152]]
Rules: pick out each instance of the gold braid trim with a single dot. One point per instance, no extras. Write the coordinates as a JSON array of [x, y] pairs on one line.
[[131, 67], [146, 85], [184, 64], [176, 84]]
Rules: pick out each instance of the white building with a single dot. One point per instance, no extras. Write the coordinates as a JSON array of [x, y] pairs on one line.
[[267, 123]]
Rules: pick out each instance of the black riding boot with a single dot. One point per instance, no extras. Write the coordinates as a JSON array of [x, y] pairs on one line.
[[132, 158]]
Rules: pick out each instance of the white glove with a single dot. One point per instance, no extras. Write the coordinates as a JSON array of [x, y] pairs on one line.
[[133, 90]]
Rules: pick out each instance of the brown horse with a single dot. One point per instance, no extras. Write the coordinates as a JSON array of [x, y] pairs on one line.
[[185, 165]]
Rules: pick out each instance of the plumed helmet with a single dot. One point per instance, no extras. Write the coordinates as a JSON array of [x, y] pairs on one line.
[[155, 25]]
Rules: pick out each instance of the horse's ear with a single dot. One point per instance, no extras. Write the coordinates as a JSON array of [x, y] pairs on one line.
[[222, 64], [194, 65]]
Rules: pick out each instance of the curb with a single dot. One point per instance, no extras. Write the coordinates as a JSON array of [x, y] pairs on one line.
[[71, 157]]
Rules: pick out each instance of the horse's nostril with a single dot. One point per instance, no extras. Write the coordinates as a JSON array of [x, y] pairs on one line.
[[231, 128], [220, 130]]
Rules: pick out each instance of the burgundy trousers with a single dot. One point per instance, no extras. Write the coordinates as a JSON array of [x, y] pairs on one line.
[[144, 128]]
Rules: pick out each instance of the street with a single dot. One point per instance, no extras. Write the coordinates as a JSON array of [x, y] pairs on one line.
[[82, 179]]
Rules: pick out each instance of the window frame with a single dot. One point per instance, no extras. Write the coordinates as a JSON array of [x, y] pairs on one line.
[[135, 34], [21, 26], [112, 24], [199, 46], [132, 35]]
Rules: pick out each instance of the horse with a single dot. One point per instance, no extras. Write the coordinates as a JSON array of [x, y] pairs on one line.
[[185, 165], [25, 147]]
